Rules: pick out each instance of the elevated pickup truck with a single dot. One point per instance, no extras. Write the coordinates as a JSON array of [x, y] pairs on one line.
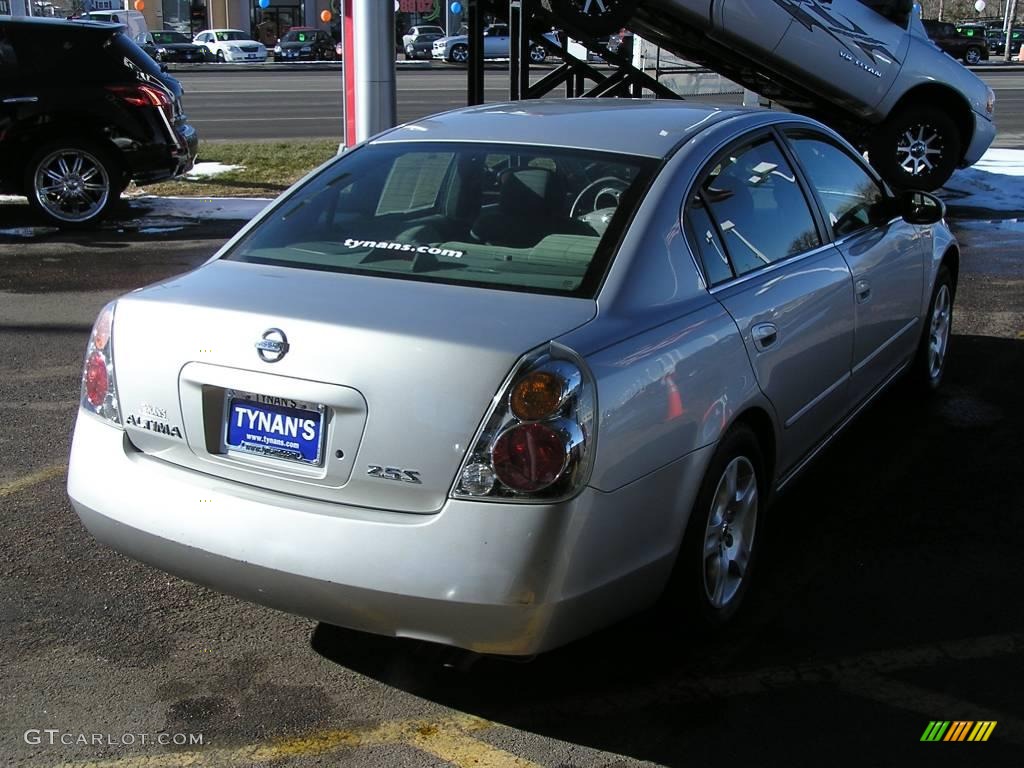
[[865, 67]]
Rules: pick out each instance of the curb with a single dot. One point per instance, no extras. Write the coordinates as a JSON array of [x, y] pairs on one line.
[[280, 66]]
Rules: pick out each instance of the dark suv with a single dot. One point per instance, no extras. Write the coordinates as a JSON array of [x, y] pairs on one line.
[[971, 50], [83, 111]]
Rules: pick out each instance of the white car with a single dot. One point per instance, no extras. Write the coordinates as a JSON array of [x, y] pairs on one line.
[[231, 45], [455, 48]]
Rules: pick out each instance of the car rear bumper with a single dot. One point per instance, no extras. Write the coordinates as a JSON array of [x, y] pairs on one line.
[[488, 577], [981, 139], [160, 161]]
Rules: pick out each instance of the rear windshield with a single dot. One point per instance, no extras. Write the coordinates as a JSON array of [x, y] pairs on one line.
[[123, 49], [538, 219]]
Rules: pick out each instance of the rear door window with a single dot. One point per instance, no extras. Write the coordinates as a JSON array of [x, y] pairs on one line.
[[758, 209]]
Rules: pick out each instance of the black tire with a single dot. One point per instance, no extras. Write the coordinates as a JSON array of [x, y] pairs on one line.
[[220, 57], [972, 55], [688, 601], [91, 192], [459, 54], [917, 148], [925, 376], [614, 17]]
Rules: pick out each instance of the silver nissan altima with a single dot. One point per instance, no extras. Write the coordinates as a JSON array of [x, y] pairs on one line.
[[502, 376]]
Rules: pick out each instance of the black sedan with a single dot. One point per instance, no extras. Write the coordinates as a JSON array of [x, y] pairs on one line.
[[421, 46], [165, 45], [305, 44]]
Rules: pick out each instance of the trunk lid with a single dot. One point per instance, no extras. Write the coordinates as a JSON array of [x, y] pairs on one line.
[[403, 372]]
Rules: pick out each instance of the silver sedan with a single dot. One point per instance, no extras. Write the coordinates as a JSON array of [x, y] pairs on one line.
[[503, 376]]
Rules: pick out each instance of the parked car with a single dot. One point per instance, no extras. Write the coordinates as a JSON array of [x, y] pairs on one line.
[[421, 46], [83, 111], [231, 45], [305, 44], [167, 46], [972, 50], [455, 49], [422, 29], [865, 67], [480, 381], [997, 42]]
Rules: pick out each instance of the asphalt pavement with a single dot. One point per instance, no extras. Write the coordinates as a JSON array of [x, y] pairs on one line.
[[888, 596], [240, 104]]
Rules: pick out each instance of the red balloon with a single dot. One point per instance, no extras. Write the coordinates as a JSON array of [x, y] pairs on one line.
[[139, 5]]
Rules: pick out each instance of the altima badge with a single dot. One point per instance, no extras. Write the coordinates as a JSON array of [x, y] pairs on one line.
[[273, 346]]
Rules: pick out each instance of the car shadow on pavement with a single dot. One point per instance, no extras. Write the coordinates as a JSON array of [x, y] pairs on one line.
[[887, 597]]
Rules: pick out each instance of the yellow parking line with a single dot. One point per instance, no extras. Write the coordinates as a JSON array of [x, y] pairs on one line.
[[32, 478], [447, 739]]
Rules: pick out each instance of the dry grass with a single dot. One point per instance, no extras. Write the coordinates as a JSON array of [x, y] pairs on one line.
[[268, 168]]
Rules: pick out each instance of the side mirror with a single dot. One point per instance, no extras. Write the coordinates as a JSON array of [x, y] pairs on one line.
[[921, 207]]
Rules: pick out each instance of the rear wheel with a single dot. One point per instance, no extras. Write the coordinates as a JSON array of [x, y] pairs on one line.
[[972, 55], [713, 569], [538, 54], [72, 183], [597, 17], [930, 363], [917, 148]]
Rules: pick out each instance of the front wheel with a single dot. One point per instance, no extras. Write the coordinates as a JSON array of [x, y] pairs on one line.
[[72, 183], [538, 54], [459, 54], [220, 57], [713, 568], [972, 55], [917, 148]]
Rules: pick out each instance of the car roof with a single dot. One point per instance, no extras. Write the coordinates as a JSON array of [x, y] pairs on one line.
[[645, 127], [54, 23]]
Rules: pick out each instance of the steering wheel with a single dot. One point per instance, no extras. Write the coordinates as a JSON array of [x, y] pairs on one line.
[[613, 189]]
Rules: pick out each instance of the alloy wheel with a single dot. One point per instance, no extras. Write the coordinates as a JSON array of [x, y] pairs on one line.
[[729, 535], [460, 54], [938, 333], [71, 185], [919, 149], [973, 56]]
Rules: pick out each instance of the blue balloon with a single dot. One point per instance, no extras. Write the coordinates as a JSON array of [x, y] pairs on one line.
[[264, 3], [456, 7]]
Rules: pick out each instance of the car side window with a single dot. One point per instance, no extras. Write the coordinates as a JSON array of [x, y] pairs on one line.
[[850, 196], [758, 207], [894, 10], [704, 235]]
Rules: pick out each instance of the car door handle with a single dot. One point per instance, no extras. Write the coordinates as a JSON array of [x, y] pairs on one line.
[[21, 100], [863, 290], [764, 335]]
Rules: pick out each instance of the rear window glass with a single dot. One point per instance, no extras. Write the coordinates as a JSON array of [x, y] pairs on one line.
[[536, 219], [123, 48]]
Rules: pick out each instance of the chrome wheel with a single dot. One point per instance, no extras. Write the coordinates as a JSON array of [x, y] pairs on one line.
[[537, 55], [71, 185], [729, 535], [973, 56], [460, 54], [919, 149], [938, 332]]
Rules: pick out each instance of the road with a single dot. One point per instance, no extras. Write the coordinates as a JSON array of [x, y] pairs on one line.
[[888, 595], [276, 104]]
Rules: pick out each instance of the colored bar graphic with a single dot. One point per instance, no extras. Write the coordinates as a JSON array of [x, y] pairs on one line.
[[958, 730], [935, 731]]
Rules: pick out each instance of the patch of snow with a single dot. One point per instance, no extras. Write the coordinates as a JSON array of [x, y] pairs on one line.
[[201, 208], [206, 170], [27, 231], [994, 184], [158, 230]]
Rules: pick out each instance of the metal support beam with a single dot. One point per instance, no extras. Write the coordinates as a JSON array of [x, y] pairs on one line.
[[475, 81]]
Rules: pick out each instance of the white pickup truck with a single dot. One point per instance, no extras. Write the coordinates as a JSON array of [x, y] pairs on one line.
[[865, 67]]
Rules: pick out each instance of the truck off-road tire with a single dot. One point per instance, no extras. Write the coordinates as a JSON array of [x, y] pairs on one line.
[[593, 17], [72, 182], [917, 148], [972, 55]]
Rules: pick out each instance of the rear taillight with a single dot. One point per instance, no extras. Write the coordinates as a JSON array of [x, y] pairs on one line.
[[99, 388], [144, 96], [537, 439]]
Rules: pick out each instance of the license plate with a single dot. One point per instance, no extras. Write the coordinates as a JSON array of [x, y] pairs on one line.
[[275, 427], [252, 55]]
